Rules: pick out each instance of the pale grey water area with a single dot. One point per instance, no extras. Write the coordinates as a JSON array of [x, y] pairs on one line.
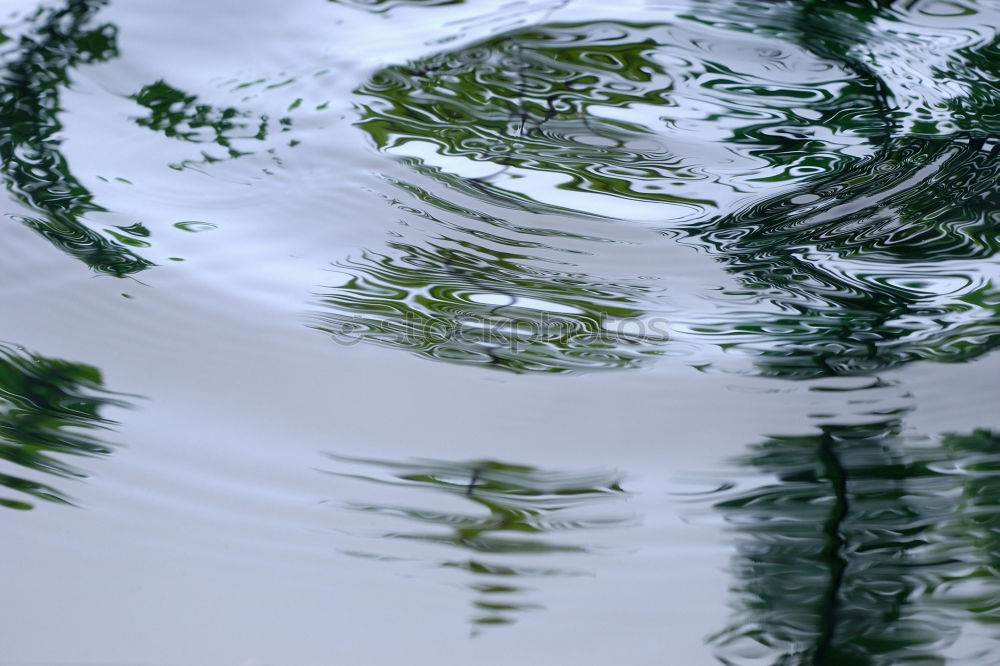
[[263, 487]]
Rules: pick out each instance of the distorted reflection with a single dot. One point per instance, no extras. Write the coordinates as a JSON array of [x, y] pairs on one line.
[[665, 121], [466, 304], [886, 259], [869, 547], [36, 66], [179, 115], [877, 265], [49, 408], [764, 134], [973, 460], [517, 517]]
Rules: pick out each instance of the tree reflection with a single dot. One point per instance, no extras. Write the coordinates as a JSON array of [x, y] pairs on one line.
[[49, 408], [974, 461], [861, 247], [637, 112], [521, 513], [876, 266], [36, 67], [179, 115], [471, 305], [878, 261], [858, 549]]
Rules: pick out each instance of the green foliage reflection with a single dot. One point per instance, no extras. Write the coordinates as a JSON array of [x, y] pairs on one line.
[[867, 549], [48, 408], [866, 227], [474, 306], [179, 115], [34, 169], [876, 265], [521, 510], [623, 110]]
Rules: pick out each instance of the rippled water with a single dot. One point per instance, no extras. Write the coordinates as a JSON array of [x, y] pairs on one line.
[[399, 332]]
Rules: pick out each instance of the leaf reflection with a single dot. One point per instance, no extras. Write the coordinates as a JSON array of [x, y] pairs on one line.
[[635, 112]]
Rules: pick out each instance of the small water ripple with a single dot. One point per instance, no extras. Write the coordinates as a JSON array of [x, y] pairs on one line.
[[382, 6]]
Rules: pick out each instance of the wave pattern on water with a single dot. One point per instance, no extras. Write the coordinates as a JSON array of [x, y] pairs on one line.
[[673, 114], [867, 241], [519, 510], [882, 264], [838, 159], [938, 69]]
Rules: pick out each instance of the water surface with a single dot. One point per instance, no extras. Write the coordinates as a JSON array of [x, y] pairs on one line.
[[535, 332]]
